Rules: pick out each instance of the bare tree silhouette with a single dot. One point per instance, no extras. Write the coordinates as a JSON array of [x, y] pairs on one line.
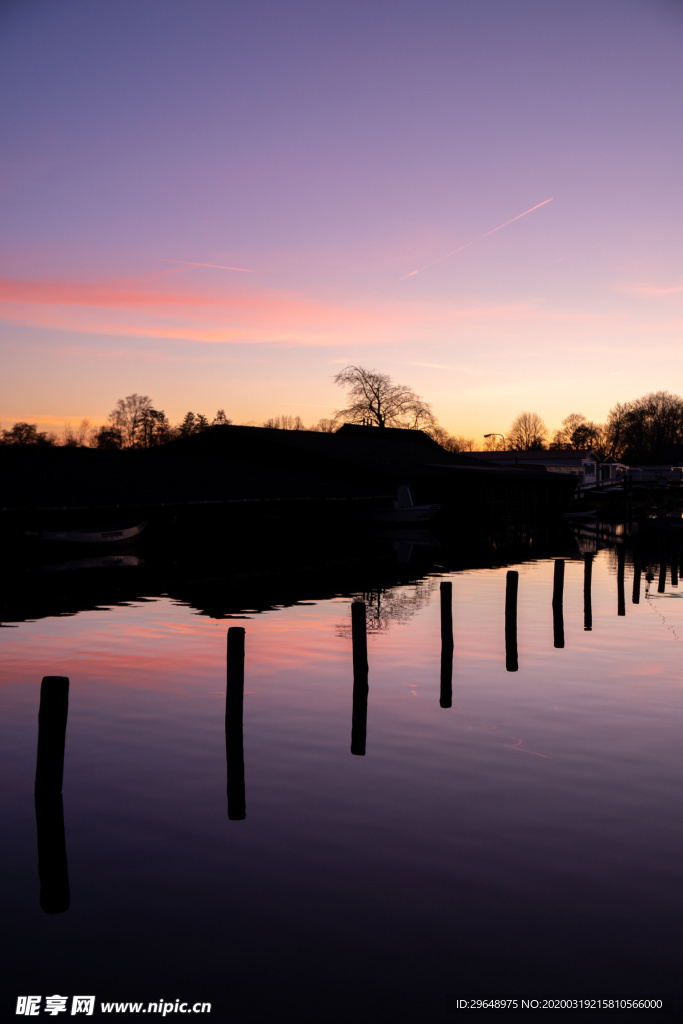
[[377, 401]]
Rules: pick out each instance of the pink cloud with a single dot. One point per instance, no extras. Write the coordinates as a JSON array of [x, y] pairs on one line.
[[163, 305], [651, 291], [154, 307]]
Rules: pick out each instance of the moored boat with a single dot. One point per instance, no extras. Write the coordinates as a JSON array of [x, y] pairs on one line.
[[403, 512], [90, 535]]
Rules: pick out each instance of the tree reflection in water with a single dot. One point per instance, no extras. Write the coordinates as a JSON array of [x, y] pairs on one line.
[[384, 606]]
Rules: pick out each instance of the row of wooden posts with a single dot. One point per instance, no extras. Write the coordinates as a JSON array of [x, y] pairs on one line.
[[54, 703]]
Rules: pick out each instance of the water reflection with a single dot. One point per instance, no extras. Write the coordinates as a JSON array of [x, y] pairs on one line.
[[409, 840], [511, 589], [587, 593], [558, 611], [661, 584], [234, 711], [359, 718], [635, 597], [446, 603], [53, 870], [621, 599], [52, 863], [387, 605]]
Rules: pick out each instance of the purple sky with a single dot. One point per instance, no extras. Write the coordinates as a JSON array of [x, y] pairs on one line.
[[330, 149]]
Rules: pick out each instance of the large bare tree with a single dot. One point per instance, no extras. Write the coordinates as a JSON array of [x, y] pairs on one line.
[[129, 418], [377, 401], [527, 432]]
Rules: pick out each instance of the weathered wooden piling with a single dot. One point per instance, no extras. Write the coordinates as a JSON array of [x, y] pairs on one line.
[[621, 600], [234, 709], [446, 694], [511, 588], [674, 567], [558, 611], [52, 716], [587, 595], [446, 595], [359, 716], [635, 595], [53, 871]]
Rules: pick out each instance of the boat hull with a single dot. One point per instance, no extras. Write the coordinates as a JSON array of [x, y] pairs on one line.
[[98, 535]]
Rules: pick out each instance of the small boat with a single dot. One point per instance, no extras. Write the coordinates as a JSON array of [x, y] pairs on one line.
[[580, 515], [90, 535], [403, 512]]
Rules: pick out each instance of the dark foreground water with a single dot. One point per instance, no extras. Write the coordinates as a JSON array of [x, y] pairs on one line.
[[525, 840]]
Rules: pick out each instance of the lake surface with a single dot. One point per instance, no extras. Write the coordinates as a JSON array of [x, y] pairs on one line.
[[525, 840]]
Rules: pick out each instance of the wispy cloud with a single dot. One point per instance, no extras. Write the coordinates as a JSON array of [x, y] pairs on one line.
[[160, 306], [650, 291], [445, 366], [152, 307], [214, 266]]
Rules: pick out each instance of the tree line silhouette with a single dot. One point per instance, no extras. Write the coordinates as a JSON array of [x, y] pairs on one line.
[[645, 430]]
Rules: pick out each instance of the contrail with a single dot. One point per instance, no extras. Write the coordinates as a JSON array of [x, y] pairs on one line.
[[216, 266], [477, 239]]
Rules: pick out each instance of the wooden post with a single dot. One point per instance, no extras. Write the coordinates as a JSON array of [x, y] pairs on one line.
[[587, 596], [446, 696], [558, 614], [635, 597], [52, 715], [359, 640], [621, 600], [511, 587], [234, 740], [674, 568]]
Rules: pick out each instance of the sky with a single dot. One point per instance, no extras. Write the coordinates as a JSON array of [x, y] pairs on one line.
[[221, 203]]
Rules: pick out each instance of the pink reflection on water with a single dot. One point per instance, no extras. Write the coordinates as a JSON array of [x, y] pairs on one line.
[[303, 653]]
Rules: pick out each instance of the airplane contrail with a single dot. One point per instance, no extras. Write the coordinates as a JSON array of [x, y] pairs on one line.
[[216, 266], [477, 239]]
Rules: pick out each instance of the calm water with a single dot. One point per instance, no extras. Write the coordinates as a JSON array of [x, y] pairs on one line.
[[525, 840]]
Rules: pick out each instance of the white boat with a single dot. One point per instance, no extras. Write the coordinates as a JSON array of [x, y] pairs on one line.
[[403, 512], [90, 535]]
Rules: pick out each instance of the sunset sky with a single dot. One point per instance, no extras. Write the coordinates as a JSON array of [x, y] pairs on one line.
[[220, 203]]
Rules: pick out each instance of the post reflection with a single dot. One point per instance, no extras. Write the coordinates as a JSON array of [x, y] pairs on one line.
[[511, 588], [52, 864], [446, 694], [234, 741], [359, 717], [558, 612], [635, 597], [661, 582], [621, 600], [53, 871], [587, 592]]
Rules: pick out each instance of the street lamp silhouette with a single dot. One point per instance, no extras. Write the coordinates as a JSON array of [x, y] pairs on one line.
[[498, 435]]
